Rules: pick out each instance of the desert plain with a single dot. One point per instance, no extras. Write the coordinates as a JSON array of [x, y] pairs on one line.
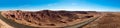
[[59, 19]]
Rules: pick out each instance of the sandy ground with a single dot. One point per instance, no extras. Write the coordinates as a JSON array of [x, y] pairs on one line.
[[4, 25], [16, 25], [7, 23], [109, 20], [20, 25]]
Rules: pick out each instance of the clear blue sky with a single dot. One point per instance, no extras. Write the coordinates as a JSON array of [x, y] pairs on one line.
[[79, 5]]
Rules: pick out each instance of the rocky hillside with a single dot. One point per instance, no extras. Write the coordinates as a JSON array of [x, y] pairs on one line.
[[50, 19]]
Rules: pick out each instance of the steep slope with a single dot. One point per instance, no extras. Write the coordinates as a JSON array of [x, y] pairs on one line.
[[7, 23], [47, 18]]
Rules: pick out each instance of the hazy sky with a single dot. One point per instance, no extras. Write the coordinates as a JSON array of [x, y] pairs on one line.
[[79, 5]]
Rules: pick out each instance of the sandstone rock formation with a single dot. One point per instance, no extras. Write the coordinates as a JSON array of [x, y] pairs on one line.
[[47, 18]]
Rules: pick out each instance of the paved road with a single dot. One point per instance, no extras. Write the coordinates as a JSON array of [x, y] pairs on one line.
[[14, 24], [4, 25], [17, 25], [80, 25]]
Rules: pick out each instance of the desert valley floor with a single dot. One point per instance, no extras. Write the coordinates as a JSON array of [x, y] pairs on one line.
[[59, 19]]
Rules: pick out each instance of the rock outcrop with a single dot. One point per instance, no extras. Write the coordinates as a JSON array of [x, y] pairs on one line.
[[48, 18]]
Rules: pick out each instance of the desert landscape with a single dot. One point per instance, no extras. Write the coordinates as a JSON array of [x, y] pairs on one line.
[[59, 13], [59, 19]]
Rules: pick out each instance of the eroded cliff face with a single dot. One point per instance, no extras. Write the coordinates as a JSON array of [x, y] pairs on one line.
[[59, 19], [50, 18]]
